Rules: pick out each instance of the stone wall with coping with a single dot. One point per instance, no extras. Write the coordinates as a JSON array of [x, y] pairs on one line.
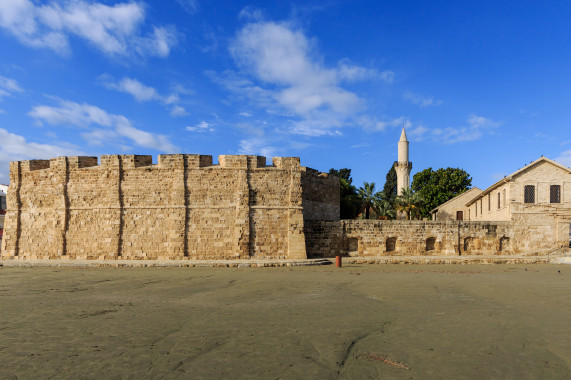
[[182, 207], [411, 238]]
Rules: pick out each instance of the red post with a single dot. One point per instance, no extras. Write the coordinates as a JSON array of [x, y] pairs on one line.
[[338, 263]]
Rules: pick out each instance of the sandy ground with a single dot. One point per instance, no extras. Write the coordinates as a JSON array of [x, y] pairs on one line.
[[360, 321]]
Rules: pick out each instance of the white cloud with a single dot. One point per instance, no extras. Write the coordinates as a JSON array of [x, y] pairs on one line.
[[419, 133], [348, 72], [419, 100], [258, 146], [113, 29], [8, 87], [251, 13], [564, 158], [135, 88], [289, 79], [279, 55], [189, 6], [474, 129], [143, 93], [203, 126], [85, 116], [178, 111], [372, 124], [15, 148], [245, 114], [314, 128]]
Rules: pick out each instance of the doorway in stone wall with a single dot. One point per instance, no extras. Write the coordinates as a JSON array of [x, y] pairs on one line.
[[504, 244], [467, 244], [430, 243]]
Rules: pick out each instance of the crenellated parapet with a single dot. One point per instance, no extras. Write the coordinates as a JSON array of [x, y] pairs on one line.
[[182, 206], [165, 161]]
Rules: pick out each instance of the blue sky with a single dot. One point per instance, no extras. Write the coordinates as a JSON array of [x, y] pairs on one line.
[[484, 86]]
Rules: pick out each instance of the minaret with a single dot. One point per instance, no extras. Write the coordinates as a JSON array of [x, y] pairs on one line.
[[403, 166]]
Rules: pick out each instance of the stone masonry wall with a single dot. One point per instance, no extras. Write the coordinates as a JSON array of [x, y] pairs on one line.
[[182, 207], [321, 195], [404, 238]]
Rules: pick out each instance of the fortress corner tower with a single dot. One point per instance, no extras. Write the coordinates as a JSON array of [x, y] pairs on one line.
[[403, 166]]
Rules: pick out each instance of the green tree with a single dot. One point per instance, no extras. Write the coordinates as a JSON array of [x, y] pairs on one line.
[[342, 174], [437, 187], [368, 197], [390, 188], [384, 209], [349, 202], [409, 202]]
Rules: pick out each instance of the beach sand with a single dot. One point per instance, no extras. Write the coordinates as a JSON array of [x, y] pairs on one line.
[[355, 322]]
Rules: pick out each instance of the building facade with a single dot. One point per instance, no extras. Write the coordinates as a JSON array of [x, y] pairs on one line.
[[455, 208]]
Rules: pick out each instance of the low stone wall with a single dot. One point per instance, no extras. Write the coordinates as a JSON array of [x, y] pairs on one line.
[[409, 238]]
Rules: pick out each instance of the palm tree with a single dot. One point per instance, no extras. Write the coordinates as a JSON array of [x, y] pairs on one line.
[[384, 209], [368, 196], [409, 201]]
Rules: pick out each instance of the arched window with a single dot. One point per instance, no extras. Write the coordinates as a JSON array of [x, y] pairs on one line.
[[504, 244]]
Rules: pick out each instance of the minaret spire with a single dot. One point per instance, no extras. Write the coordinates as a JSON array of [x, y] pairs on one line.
[[403, 166]]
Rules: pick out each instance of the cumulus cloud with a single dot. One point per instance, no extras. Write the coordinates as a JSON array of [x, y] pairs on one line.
[[258, 146], [203, 126], [15, 148], [279, 55], [474, 129], [420, 100], [286, 76], [87, 116], [143, 93], [351, 73], [113, 29], [375, 125]]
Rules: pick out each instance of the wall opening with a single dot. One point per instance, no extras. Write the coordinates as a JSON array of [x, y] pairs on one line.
[[391, 244], [504, 244], [430, 243], [555, 194], [352, 245], [529, 194], [468, 243]]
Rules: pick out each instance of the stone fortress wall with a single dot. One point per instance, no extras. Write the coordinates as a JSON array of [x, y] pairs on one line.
[[183, 207]]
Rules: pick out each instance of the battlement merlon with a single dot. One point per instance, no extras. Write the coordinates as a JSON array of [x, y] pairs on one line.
[[165, 161]]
